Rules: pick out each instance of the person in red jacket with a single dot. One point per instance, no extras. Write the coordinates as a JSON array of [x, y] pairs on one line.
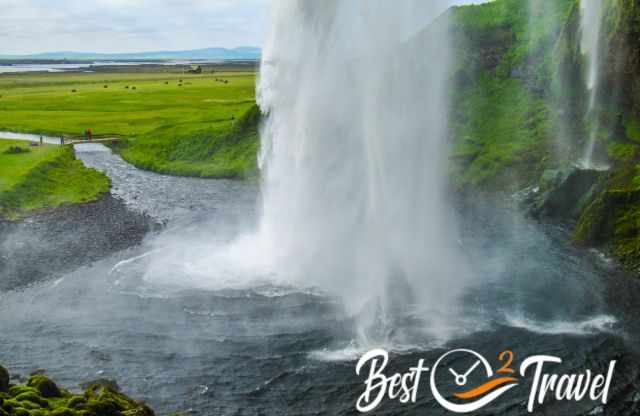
[[90, 134]]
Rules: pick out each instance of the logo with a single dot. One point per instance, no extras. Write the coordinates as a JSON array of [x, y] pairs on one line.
[[450, 381]]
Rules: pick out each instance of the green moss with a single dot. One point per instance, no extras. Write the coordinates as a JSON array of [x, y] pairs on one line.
[[622, 152], [499, 126], [63, 411], [32, 398], [505, 35], [103, 398], [44, 398], [77, 402], [44, 385], [632, 129], [16, 390]]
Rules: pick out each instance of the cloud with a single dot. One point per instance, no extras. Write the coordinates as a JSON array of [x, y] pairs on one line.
[[30, 26]]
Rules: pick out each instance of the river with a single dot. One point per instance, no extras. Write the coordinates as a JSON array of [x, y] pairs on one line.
[[9, 135], [186, 329]]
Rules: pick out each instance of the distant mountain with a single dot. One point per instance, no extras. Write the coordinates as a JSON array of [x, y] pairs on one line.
[[245, 52]]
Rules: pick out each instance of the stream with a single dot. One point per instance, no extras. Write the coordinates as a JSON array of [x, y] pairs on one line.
[[10, 135], [189, 329]]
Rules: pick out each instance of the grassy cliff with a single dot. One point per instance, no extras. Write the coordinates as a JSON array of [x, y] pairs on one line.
[[35, 178], [502, 124], [228, 151], [519, 116]]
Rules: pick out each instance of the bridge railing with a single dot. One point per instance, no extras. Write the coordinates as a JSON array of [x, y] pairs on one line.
[[67, 139]]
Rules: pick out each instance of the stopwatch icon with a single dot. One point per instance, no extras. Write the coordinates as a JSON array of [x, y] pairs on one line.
[[461, 379]]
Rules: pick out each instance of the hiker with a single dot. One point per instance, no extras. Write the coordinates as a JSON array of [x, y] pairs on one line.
[[90, 134]]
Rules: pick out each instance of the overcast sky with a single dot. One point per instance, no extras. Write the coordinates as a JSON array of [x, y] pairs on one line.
[[32, 26]]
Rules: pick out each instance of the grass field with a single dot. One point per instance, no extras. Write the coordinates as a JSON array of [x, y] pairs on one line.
[[44, 177], [174, 122]]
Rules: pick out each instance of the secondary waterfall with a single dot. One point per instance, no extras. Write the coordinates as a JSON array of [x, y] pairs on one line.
[[354, 154], [591, 14]]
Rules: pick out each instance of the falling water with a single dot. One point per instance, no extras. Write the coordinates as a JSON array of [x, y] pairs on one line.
[[591, 13], [354, 156]]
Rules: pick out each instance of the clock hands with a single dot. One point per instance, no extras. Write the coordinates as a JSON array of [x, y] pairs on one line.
[[461, 379]]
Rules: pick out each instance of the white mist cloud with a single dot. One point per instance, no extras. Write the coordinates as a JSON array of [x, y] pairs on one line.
[[30, 26]]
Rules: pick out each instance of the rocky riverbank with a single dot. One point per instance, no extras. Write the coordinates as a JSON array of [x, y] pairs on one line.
[[48, 244]]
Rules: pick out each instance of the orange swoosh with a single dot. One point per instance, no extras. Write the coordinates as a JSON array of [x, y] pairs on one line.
[[482, 389]]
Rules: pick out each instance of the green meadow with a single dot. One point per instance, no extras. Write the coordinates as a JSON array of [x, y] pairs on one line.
[[173, 122], [43, 177]]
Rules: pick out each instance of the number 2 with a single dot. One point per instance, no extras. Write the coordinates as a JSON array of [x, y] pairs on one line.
[[507, 357]]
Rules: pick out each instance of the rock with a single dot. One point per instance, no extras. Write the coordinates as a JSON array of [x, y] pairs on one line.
[[101, 382], [565, 192], [32, 398], [63, 411], [44, 385], [102, 399], [4, 379], [43, 397]]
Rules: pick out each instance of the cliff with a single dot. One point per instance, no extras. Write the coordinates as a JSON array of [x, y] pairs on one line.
[[521, 115]]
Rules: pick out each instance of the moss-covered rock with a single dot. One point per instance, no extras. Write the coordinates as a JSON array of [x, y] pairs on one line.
[[42, 397], [564, 193], [4, 379], [28, 399], [44, 385]]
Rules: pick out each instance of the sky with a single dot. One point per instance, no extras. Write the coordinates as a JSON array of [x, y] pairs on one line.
[[35, 26]]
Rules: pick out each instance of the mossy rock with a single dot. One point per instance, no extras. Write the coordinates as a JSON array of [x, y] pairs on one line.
[[104, 400], [42, 397], [44, 385], [565, 192], [141, 411], [101, 382], [64, 411], [4, 379], [18, 389], [103, 408], [77, 402], [14, 408], [30, 399]]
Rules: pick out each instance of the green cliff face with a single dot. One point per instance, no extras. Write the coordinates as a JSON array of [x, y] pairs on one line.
[[520, 113]]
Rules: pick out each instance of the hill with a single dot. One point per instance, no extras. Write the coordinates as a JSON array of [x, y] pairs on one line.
[[240, 53]]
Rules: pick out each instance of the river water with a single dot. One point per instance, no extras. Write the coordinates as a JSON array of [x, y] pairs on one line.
[[184, 328], [9, 135]]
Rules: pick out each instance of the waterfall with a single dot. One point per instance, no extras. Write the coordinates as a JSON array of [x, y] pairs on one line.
[[353, 155], [591, 14]]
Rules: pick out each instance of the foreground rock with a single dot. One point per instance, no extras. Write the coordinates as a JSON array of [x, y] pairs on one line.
[[42, 397], [563, 193]]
